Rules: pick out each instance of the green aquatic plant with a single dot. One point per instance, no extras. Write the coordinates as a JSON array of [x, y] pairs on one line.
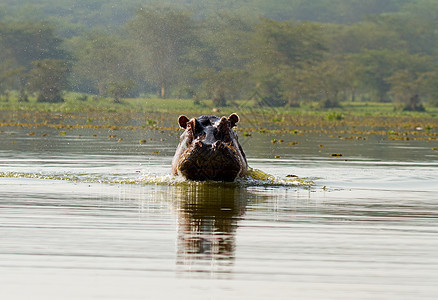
[[293, 143], [335, 116], [246, 133], [265, 178], [277, 119], [336, 154]]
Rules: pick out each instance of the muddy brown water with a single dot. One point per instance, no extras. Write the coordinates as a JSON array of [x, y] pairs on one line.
[[94, 214]]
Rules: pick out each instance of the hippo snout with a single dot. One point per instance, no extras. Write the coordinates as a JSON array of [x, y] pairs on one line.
[[202, 146], [218, 145]]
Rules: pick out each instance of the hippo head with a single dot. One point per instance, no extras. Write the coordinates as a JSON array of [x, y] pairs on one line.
[[209, 149]]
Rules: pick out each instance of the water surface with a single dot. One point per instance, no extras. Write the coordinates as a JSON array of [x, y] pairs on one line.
[[94, 214]]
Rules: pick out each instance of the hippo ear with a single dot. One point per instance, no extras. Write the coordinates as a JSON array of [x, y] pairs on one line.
[[233, 118], [182, 120]]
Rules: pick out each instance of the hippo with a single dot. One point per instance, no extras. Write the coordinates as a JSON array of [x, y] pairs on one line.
[[209, 150]]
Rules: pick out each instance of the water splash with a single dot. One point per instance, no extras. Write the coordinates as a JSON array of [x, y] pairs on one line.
[[258, 177], [255, 177]]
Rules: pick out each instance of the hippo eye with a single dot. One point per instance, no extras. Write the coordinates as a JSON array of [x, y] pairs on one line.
[[206, 123], [198, 130]]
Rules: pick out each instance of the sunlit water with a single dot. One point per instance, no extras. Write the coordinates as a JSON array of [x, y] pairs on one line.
[[84, 215]]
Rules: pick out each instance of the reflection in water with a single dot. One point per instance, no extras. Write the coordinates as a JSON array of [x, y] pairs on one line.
[[207, 221]]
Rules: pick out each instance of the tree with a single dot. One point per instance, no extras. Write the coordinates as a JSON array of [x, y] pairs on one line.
[[357, 37], [23, 43], [120, 89], [48, 78], [416, 32], [222, 54], [338, 11], [375, 66], [325, 81], [430, 88], [409, 88], [287, 43], [164, 37], [104, 63], [220, 85], [9, 73], [280, 50], [27, 42]]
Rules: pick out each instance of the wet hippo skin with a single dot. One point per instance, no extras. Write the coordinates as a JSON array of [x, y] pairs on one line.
[[209, 149]]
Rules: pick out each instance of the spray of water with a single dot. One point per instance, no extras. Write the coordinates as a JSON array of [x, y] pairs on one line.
[[255, 177]]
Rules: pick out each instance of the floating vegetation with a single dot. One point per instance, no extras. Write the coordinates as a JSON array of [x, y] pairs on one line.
[[258, 177], [335, 116], [336, 154], [293, 143], [246, 133], [277, 119], [141, 142], [352, 127], [151, 122]]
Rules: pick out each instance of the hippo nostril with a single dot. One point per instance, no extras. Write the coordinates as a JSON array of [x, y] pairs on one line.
[[218, 145]]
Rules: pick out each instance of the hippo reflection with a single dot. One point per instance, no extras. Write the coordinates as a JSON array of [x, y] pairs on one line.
[[209, 149], [208, 216]]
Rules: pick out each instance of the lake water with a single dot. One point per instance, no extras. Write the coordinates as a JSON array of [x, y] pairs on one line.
[[94, 214]]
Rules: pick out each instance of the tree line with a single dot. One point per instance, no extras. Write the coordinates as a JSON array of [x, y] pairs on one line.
[[172, 53], [76, 16]]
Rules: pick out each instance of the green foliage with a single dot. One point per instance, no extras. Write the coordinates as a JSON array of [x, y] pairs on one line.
[[281, 51], [48, 78], [269, 92], [28, 49], [379, 50], [78, 15], [26, 42], [220, 85], [165, 37], [376, 66], [335, 116], [105, 63], [120, 89], [285, 43]]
